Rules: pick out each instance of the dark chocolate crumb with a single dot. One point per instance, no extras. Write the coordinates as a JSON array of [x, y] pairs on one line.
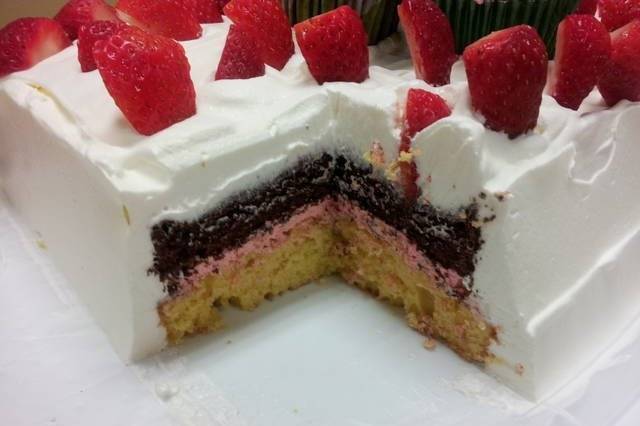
[[489, 219]]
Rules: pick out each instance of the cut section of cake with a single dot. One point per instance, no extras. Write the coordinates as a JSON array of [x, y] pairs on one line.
[[324, 216]]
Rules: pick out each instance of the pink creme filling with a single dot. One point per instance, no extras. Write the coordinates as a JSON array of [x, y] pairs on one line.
[[327, 211]]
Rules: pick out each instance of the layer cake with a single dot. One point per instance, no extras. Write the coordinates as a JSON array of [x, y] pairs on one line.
[[518, 253]]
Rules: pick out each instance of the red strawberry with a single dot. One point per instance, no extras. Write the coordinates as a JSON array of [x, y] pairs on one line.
[[617, 13], [170, 18], [430, 39], [622, 77], [88, 35], [507, 72], [79, 12], [148, 77], [27, 41], [269, 25], [583, 49], [221, 5], [422, 110], [587, 7], [334, 45], [208, 12], [241, 57]]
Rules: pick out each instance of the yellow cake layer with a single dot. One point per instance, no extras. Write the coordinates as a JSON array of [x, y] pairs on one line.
[[318, 249]]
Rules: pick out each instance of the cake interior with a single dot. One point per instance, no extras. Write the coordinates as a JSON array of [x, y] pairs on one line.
[[326, 224]]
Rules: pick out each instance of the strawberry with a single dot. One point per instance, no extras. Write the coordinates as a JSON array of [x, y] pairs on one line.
[[583, 49], [269, 25], [207, 11], [422, 110], [334, 45], [170, 18], [430, 39], [587, 7], [79, 12], [241, 57], [88, 35], [27, 41], [622, 77], [507, 72], [148, 77], [617, 13], [221, 5]]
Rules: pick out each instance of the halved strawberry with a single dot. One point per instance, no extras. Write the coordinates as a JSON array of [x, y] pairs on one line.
[[148, 77], [422, 110], [430, 39], [88, 35], [27, 41], [622, 77], [617, 13], [79, 12], [587, 7], [583, 49], [334, 45], [507, 72], [207, 11], [241, 57], [269, 25], [170, 18]]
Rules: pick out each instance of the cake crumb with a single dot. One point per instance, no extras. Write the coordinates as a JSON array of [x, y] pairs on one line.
[[429, 343], [376, 155], [424, 327], [489, 219], [406, 156], [166, 391], [392, 171], [125, 212], [229, 341], [41, 244], [519, 369], [502, 195]]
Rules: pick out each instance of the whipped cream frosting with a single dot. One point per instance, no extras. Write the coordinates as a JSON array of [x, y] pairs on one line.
[[560, 203]]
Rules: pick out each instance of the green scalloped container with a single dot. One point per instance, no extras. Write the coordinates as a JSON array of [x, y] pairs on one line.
[[470, 19], [379, 16]]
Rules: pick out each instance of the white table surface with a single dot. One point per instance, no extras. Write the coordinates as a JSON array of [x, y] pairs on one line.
[[323, 355]]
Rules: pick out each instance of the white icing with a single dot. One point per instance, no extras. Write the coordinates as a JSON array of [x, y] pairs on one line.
[[570, 189]]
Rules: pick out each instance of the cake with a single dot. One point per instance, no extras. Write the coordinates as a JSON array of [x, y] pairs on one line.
[[509, 237]]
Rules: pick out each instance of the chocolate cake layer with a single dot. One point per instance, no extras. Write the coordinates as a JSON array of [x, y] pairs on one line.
[[447, 238]]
